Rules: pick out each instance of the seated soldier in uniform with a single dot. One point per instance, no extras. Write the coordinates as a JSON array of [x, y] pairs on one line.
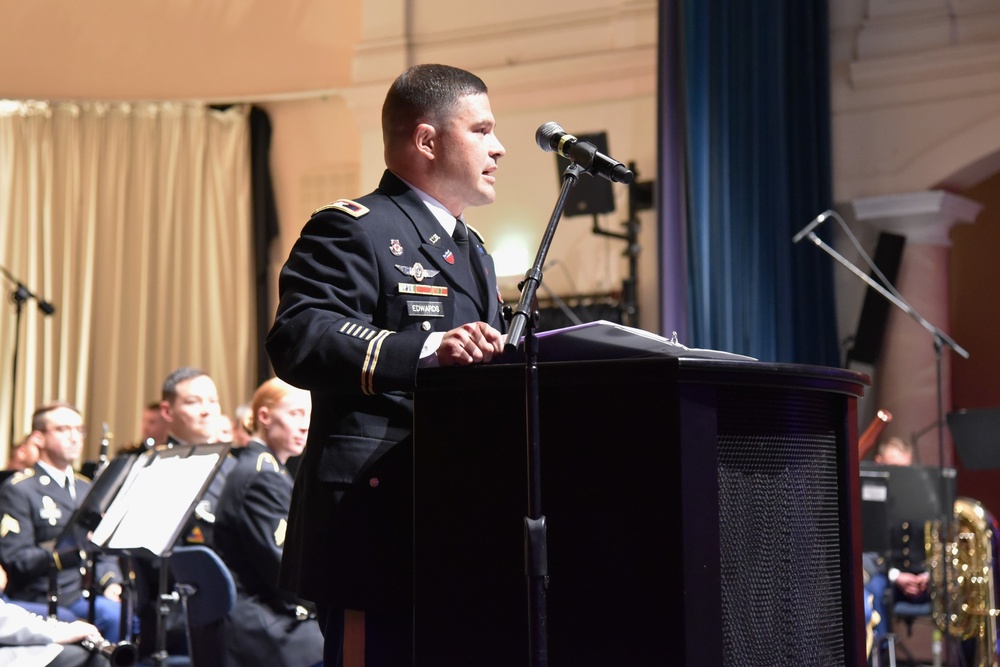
[[31, 640], [23, 455], [189, 407], [268, 626], [904, 571], [37, 504]]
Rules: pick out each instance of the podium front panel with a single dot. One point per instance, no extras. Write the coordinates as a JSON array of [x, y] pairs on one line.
[[698, 513]]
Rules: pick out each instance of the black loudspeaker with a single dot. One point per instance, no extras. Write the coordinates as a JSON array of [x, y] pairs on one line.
[[591, 195], [875, 310]]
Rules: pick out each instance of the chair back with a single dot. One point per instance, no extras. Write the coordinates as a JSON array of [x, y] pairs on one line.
[[211, 588]]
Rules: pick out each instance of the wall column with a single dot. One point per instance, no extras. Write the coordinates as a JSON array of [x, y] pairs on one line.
[[905, 379]]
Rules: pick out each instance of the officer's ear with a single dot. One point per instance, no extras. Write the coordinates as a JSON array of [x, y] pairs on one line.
[[263, 415], [36, 438], [425, 140]]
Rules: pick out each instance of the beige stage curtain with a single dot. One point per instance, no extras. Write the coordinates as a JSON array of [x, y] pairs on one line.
[[134, 221]]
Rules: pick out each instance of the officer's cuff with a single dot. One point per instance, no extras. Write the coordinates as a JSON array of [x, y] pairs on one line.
[[67, 559], [428, 353]]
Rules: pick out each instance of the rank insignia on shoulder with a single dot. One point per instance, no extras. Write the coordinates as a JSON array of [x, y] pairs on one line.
[[22, 475], [351, 208], [267, 460], [476, 232]]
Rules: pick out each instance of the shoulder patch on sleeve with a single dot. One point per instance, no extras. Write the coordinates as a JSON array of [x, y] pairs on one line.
[[476, 232], [351, 208], [9, 525], [279, 533]]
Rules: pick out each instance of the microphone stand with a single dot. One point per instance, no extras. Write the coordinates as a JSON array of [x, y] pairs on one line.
[[523, 320], [19, 296], [941, 339]]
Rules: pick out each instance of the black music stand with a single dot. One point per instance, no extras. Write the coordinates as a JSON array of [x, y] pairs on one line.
[[874, 513], [976, 434], [153, 501], [86, 517], [893, 495]]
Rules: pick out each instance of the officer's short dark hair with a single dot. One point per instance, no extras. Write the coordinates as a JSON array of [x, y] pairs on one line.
[[182, 374], [39, 418], [425, 94]]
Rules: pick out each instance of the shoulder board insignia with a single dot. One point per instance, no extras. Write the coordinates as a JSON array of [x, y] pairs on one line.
[[476, 232], [351, 208], [266, 460], [9, 525], [23, 475]]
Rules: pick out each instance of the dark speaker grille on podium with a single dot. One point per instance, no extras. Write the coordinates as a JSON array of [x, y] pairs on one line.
[[779, 522]]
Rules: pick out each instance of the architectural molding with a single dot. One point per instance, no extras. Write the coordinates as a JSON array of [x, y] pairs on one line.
[[924, 218], [929, 65], [916, 26], [588, 55]]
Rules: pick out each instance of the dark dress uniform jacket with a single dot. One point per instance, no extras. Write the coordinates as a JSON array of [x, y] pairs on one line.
[[364, 285], [35, 510], [250, 529]]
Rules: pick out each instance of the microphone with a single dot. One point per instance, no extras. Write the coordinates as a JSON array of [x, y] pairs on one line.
[[551, 137], [812, 225]]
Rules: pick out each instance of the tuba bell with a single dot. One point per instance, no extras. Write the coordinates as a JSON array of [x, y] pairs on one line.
[[966, 605]]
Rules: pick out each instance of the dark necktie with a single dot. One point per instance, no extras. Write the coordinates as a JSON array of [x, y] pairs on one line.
[[461, 236]]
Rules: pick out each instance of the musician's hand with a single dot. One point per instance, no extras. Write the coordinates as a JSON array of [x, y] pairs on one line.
[[113, 592], [3, 579], [77, 631], [913, 584]]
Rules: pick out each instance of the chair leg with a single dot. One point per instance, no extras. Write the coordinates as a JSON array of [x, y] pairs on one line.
[[186, 591], [890, 650]]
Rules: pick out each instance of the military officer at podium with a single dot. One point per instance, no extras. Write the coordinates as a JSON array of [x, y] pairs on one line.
[[37, 505], [372, 290]]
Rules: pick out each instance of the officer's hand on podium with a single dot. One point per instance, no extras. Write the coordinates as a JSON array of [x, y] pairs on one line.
[[473, 343]]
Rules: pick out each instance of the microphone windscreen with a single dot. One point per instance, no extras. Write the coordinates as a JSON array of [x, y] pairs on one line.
[[546, 133]]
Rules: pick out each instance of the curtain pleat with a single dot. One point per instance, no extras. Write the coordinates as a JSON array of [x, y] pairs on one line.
[[755, 101], [134, 221]]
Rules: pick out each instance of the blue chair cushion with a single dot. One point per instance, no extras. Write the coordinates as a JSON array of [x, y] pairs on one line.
[[905, 608]]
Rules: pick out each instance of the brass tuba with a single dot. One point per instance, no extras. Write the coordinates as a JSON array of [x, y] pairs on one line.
[[967, 608]]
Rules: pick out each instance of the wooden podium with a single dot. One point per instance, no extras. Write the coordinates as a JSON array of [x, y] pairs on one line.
[[699, 512]]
